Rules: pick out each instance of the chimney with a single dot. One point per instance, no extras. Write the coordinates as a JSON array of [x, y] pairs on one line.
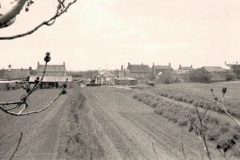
[[191, 66], [225, 62], [21, 69], [180, 66], [122, 67], [153, 64], [64, 63], [30, 68], [170, 64], [9, 67], [142, 63], [38, 64], [128, 64]]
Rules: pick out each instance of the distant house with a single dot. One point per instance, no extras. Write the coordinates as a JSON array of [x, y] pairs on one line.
[[123, 72], [217, 73], [161, 68], [140, 72], [14, 74], [185, 69], [104, 77], [54, 77], [52, 70], [157, 70]]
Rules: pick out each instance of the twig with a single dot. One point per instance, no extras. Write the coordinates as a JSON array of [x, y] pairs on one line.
[[154, 151], [222, 154], [18, 105], [28, 113], [203, 135], [25, 98], [20, 139], [204, 113], [29, 93], [230, 114], [47, 23], [183, 152]]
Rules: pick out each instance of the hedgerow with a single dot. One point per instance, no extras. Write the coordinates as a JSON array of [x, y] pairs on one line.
[[198, 100], [224, 134]]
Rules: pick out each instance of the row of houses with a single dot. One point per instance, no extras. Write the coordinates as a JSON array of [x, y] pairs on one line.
[[55, 75], [143, 72]]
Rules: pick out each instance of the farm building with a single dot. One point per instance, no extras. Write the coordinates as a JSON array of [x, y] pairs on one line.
[[123, 72], [217, 73], [54, 77], [14, 74], [52, 81], [140, 72], [156, 69], [185, 69], [126, 81], [52, 70], [104, 77]]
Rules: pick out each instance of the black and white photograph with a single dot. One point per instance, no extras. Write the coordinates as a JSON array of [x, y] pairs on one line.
[[119, 80]]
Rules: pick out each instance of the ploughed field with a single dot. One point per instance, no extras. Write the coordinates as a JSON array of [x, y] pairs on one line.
[[130, 129], [107, 123]]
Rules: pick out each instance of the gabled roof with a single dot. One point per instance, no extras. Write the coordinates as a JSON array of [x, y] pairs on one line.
[[139, 68], [52, 68], [163, 67], [214, 69], [106, 73], [16, 74], [185, 68]]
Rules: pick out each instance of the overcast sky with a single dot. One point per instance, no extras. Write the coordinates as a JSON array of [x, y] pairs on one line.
[[106, 34]]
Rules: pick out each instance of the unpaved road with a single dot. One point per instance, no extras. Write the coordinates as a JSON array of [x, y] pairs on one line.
[[129, 129]]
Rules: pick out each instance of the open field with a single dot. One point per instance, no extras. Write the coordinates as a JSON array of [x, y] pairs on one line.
[[203, 89], [97, 123], [128, 129]]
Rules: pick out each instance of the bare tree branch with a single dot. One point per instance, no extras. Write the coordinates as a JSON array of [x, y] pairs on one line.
[[12, 13], [24, 99], [32, 112], [222, 105], [154, 151], [183, 152], [47, 23], [20, 139]]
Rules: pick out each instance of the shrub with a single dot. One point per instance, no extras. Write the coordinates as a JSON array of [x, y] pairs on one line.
[[199, 75], [182, 122], [195, 103], [200, 103], [190, 100], [213, 136], [168, 78]]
